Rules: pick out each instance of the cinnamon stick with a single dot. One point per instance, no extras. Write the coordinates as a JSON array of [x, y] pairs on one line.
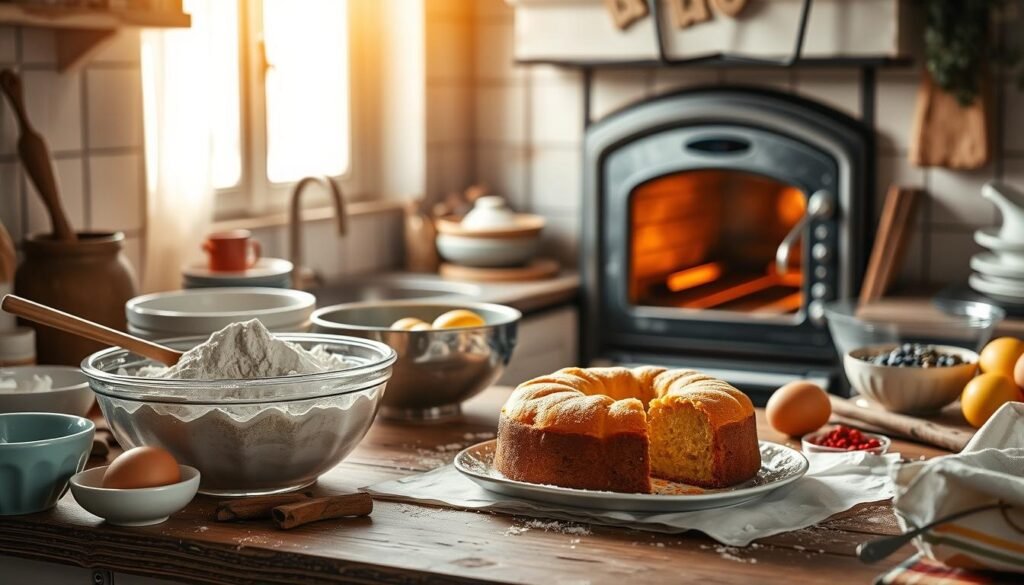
[[925, 431], [316, 509], [256, 507]]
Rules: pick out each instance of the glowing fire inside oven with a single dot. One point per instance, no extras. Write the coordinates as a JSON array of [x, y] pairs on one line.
[[708, 240]]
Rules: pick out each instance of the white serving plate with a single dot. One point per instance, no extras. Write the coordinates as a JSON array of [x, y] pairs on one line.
[[780, 466], [264, 268], [988, 264], [1000, 289]]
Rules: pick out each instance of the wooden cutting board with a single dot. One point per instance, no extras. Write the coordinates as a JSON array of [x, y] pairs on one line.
[[536, 270], [947, 429]]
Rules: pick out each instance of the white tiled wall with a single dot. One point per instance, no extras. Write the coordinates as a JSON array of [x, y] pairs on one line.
[[528, 125], [92, 120]]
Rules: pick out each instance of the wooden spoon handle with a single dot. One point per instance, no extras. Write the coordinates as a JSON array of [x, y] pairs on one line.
[[35, 156], [84, 328]]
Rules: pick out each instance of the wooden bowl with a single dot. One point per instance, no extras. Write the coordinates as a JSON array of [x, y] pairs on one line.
[[526, 226]]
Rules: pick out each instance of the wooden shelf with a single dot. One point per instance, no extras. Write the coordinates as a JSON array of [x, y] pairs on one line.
[[81, 31]]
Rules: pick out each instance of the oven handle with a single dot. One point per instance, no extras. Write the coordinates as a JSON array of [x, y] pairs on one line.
[[819, 206]]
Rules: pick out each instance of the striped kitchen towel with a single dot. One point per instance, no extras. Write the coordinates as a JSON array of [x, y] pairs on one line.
[[990, 470], [920, 570]]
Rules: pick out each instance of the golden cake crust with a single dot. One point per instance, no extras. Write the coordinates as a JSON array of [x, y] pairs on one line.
[[565, 428]]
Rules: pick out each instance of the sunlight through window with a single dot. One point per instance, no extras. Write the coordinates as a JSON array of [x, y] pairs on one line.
[[307, 88]]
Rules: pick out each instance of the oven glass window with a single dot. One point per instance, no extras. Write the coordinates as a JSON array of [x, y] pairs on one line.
[[709, 240]]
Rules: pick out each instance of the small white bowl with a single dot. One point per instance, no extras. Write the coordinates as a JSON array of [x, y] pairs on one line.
[[137, 507], [487, 252], [809, 443], [909, 390], [69, 393], [204, 311]]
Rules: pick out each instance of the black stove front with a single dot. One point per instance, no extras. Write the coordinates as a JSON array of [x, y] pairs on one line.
[[717, 224]]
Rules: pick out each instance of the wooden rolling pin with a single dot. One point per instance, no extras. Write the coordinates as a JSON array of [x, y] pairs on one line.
[[35, 156], [918, 429]]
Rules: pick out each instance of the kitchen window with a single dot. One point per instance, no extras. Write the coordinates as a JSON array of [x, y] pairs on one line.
[[283, 107]]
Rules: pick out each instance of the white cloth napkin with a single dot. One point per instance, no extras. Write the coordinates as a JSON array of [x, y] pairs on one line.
[[989, 469], [834, 483]]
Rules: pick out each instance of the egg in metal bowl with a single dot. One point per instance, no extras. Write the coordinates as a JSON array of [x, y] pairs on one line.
[[909, 390]]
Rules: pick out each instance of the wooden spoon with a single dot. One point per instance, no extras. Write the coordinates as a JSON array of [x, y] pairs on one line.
[[35, 156], [44, 315]]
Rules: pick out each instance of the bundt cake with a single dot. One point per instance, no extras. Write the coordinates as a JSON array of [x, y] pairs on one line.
[[615, 428]]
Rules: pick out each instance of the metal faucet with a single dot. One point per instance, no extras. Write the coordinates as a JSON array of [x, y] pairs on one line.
[[303, 278]]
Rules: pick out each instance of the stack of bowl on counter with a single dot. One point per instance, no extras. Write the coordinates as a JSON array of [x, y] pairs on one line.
[[999, 271]]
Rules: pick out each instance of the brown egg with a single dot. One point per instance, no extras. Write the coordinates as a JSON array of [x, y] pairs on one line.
[[142, 467], [798, 408]]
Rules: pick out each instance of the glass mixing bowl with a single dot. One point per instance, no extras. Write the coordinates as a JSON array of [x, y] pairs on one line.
[[247, 437]]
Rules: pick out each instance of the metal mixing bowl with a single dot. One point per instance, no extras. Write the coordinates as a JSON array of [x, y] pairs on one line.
[[436, 370]]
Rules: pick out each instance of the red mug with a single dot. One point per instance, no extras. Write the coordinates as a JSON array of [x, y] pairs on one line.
[[230, 251]]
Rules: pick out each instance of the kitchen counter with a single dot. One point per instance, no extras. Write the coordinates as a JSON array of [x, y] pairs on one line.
[[405, 543]]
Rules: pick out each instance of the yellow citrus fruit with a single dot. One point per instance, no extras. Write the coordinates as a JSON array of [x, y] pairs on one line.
[[408, 323], [1001, 355], [421, 326], [1018, 372], [458, 318], [984, 395]]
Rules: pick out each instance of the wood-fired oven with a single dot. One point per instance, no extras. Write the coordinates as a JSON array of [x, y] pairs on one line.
[[716, 224]]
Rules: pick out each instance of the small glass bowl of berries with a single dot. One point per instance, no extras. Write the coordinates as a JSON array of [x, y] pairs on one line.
[[842, 439]]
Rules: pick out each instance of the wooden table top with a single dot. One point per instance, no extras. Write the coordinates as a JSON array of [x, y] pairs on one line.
[[406, 543]]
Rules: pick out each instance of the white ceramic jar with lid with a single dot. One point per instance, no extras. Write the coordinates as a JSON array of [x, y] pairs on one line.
[[489, 212]]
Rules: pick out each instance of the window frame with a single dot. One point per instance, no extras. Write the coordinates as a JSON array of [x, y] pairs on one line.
[[255, 194]]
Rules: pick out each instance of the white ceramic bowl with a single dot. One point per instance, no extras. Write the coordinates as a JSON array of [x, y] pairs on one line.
[[809, 443], [909, 390], [203, 311], [496, 252], [68, 394], [137, 507]]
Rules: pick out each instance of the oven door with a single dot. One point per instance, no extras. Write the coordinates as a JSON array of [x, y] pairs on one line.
[[721, 238]]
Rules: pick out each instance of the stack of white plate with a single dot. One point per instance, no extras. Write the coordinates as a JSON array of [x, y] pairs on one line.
[[266, 273], [999, 273]]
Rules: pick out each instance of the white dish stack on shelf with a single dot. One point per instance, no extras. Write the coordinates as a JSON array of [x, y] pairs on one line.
[[999, 273], [266, 272]]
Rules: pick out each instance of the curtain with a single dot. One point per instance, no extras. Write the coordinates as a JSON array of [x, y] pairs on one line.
[[178, 120]]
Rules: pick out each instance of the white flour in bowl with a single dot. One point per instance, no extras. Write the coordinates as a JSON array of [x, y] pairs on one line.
[[246, 351], [267, 441]]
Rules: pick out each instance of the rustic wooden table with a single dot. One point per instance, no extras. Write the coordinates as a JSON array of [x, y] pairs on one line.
[[404, 543]]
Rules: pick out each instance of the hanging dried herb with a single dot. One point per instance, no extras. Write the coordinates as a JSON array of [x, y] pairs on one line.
[[960, 42]]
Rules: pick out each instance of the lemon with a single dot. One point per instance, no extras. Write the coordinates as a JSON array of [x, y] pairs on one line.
[[458, 318], [984, 395], [409, 324], [1001, 355]]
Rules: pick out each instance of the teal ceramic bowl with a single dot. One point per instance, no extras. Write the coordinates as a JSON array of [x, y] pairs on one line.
[[39, 452]]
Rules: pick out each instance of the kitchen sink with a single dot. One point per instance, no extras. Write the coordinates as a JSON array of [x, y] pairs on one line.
[[392, 288]]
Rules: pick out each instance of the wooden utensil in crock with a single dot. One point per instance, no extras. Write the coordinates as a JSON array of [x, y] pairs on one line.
[[35, 157], [89, 277]]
